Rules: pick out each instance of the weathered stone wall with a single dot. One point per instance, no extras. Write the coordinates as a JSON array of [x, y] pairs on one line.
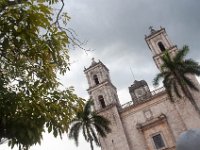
[[117, 139], [158, 115]]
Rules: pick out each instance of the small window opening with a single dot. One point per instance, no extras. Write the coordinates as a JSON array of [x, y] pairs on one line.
[[96, 80], [102, 102], [158, 141], [115, 96], [161, 46]]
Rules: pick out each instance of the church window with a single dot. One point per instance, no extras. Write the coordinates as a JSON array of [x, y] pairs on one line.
[[96, 80], [158, 141], [102, 102], [161, 46], [115, 96]]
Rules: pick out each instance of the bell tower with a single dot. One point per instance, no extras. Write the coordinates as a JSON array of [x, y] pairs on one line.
[[158, 43], [106, 103], [139, 91], [101, 90]]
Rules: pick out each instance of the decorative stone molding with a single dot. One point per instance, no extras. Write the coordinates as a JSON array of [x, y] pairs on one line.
[[151, 122]]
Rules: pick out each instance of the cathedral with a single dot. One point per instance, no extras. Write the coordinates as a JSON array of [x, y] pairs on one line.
[[150, 121]]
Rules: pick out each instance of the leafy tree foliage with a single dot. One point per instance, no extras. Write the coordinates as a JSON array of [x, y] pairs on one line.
[[90, 123], [176, 71], [33, 49]]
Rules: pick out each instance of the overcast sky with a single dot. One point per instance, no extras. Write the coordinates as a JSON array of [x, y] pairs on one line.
[[115, 31]]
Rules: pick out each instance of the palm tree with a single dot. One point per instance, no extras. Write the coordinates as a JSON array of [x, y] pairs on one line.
[[90, 123], [175, 72]]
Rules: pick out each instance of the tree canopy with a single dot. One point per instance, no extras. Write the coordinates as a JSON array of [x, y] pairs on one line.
[[33, 50], [176, 73]]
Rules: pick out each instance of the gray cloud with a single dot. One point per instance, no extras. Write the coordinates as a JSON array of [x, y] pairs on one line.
[[116, 30]]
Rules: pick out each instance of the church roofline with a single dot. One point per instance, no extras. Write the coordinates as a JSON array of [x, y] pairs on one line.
[[154, 95]]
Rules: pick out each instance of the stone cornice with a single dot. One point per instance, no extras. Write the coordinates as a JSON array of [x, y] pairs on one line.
[[174, 47], [152, 122], [106, 82], [107, 108]]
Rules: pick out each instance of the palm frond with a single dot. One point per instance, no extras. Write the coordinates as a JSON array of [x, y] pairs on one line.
[[84, 133], [91, 144], [168, 86], [157, 79], [89, 133], [74, 120], [103, 122], [192, 71], [189, 83], [87, 108], [191, 62], [101, 130], [167, 61], [74, 132], [191, 67], [100, 119], [94, 135], [181, 54]]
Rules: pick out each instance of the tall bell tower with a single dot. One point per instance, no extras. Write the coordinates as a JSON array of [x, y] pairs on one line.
[[158, 43], [101, 90], [106, 103]]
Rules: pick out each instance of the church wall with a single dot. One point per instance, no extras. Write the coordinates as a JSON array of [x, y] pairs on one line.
[[196, 94], [180, 116], [116, 140], [135, 138], [147, 112], [188, 113]]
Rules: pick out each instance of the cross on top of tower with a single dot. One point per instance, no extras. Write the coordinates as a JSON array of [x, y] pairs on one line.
[[93, 61], [152, 29]]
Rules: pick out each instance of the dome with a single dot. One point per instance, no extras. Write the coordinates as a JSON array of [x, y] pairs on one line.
[[138, 84]]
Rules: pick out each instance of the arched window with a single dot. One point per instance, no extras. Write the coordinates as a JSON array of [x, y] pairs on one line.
[[161, 46], [96, 80], [102, 102]]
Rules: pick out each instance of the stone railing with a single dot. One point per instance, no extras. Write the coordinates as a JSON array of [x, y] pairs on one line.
[[143, 99], [156, 91]]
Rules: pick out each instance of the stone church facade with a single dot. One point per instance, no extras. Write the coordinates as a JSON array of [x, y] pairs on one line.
[[150, 121]]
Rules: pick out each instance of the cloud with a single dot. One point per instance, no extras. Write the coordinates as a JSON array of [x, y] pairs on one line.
[[116, 30]]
